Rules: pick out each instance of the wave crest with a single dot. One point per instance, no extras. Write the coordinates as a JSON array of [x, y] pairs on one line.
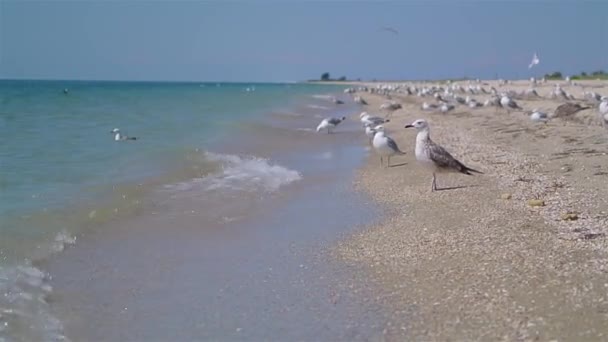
[[241, 173]]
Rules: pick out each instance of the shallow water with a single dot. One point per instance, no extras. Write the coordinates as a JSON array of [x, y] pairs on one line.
[[202, 149]]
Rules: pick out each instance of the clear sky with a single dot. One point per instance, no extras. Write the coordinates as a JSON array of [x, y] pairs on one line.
[[297, 40]]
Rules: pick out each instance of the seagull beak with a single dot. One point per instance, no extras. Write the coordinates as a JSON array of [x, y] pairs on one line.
[[409, 126]]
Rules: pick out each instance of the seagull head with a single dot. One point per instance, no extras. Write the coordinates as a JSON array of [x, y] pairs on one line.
[[419, 125], [363, 114], [115, 130]]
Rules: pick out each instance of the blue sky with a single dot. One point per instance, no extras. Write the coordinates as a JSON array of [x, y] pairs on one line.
[[298, 40]]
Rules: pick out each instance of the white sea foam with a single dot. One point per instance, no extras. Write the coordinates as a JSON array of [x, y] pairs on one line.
[[61, 240], [323, 96], [24, 312], [248, 173], [240, 174], [313, 106]]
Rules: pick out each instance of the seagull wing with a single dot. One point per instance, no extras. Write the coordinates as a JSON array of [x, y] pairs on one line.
[[334, 121], [535, 60], [443, 159], [393, 145], [390, 29]]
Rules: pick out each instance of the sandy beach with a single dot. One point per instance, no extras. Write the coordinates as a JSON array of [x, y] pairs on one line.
[[479, 262]]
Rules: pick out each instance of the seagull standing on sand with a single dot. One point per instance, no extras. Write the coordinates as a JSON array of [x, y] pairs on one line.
[[434, 156], [367, 119], [603, 109], [507, 102], [538, 116], [385, 146], [330, 124], [370, 131], [121, 137]]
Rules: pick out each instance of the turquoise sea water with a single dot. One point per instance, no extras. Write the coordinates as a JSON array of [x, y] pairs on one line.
[[60, 166]]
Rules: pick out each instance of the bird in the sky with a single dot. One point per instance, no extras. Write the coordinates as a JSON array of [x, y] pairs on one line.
[[390, 29], [535, 60]]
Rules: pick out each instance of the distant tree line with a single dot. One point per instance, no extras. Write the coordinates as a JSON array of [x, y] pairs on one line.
[[326, 77], [599, 74]]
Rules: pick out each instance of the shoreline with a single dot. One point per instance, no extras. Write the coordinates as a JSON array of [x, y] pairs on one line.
[[260, 273], [467, 264]]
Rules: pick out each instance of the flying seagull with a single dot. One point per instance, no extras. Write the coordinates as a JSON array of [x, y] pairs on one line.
[[390, 29], [434, 156], [535, 60]]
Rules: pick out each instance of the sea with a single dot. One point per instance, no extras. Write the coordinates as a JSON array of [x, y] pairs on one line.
[[217, 158]]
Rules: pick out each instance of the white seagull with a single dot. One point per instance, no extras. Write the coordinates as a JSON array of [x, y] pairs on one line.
[[603, 109], [427, 106], [535, 61], [508, 103], [121, 137], [367, 119], [330, 124], [385, 146], [434, 156], [538, 116]]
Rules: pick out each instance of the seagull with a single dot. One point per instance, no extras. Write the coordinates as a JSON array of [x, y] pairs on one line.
[[372, 120], [507, 102], [426, 106], [435, 156], [535, 61], [330, 124], [371, 131], [567, 110], [385, 146], [360, 100], [603, 109], [121, 137], [390, 29], [474, 104], [446, 107], [538, 116]]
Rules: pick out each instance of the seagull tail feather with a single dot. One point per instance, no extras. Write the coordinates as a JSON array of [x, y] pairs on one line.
[[467, 170]]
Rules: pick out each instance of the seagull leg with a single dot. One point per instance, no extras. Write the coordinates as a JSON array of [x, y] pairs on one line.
[[388, 163], [381, 161], [434, 183]]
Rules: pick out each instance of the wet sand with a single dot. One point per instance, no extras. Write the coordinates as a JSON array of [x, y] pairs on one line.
[[478, 262]]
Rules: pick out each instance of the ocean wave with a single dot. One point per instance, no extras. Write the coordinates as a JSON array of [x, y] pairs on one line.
[[317, 107], [241, 173], [25, 314], [323, 96]]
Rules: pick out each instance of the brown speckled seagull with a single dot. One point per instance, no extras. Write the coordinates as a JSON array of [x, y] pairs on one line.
[[434, 156]]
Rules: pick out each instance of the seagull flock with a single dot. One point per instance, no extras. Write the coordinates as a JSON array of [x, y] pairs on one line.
[[435, 157]]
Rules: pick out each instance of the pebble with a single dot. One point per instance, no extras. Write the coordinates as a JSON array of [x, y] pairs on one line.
[[536, 203], [569, 216]]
